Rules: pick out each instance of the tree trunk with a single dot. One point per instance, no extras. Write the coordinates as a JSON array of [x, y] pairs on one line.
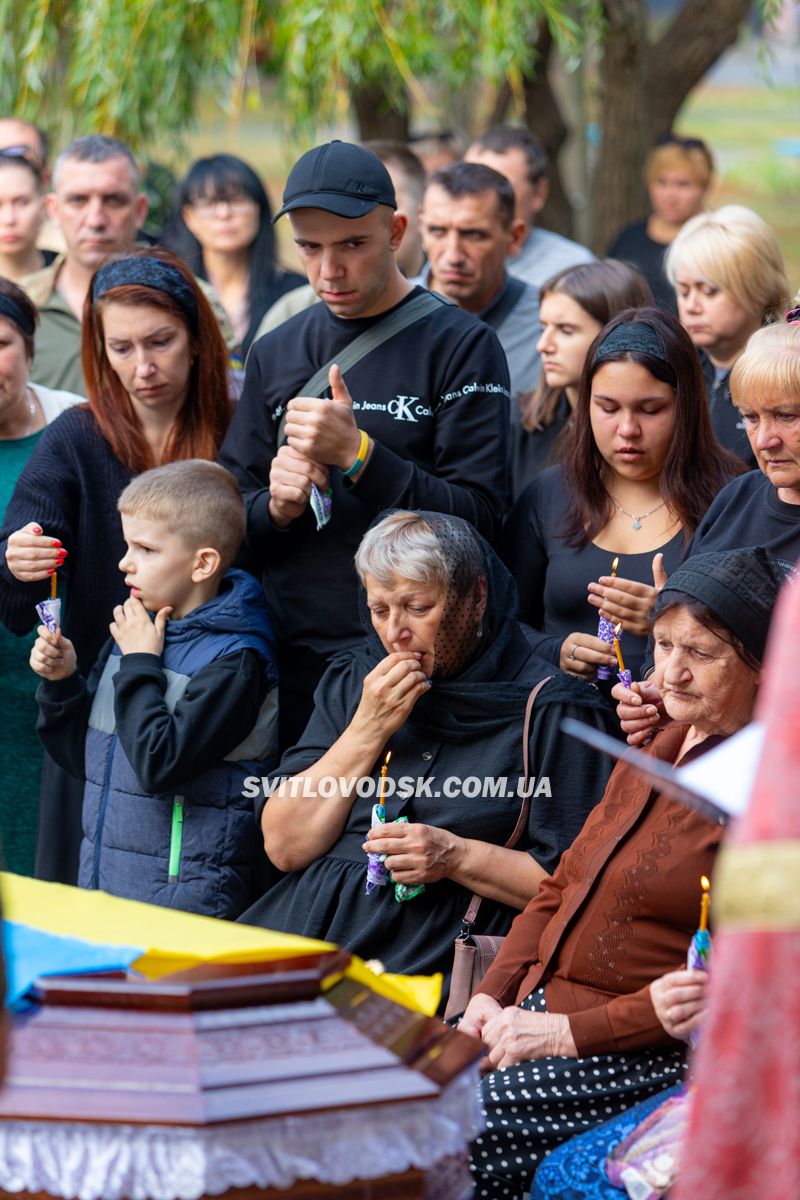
[[379, 116], [543, 118], [644, 86], [617, 186]]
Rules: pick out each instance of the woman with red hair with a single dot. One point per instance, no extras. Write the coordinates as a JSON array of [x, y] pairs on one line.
[[156, 373]]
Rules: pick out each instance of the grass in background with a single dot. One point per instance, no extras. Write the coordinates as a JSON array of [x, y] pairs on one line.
[[744, 127]]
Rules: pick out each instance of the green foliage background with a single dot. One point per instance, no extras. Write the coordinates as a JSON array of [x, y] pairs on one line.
[[137, 68]]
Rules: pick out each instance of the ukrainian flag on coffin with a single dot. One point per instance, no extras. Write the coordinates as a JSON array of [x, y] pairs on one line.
[[54, 929]]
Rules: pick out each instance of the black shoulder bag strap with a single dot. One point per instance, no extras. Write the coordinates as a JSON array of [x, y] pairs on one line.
[[514, 289], [522, 819], [371, 339]]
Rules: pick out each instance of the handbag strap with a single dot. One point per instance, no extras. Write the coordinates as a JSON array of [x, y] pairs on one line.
[[371, 339], [525, 807]]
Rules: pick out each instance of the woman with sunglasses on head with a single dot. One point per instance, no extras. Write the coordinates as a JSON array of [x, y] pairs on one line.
[[22, 214], [639, 471], [156, 373], [678, 174], [224, 233], [729, 275]]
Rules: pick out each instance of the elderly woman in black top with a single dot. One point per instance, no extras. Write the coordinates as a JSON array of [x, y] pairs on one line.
[[442, 681]]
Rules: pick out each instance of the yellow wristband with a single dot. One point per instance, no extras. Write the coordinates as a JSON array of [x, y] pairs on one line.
[[363, 450]]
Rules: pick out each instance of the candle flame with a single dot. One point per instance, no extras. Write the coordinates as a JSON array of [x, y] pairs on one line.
[[705, 883], [614, 566], [386, 760], [618, 629]]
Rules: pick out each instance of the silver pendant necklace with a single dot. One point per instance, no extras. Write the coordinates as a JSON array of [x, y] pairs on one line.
[[637, 518]]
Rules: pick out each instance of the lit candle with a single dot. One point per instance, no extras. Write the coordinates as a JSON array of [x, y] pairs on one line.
[[705, 884], [617, 651], [382, 786], [53, 585]]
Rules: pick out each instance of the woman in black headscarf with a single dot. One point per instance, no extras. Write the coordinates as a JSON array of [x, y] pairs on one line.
[[441, 681]]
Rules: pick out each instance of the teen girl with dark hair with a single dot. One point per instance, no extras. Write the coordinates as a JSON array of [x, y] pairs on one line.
[[639, 470], [155, 365]]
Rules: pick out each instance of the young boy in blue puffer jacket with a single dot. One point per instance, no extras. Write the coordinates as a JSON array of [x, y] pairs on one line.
[[179, 708]]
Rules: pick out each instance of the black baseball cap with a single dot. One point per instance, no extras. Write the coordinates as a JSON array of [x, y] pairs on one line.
[[339, 178]]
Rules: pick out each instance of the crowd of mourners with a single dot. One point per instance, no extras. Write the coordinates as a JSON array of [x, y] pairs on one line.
[[300, 575]]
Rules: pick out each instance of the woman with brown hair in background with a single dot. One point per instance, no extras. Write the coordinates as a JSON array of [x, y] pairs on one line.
[[575, 304]]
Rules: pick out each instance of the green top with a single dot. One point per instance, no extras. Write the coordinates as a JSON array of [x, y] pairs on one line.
[[20, 749]]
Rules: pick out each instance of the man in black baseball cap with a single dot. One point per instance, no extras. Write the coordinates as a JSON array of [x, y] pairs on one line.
[[382, 396], [340, 178]]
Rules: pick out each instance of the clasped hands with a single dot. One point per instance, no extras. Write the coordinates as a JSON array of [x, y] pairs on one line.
[[320, 434], [513, 1034], [623, 601]]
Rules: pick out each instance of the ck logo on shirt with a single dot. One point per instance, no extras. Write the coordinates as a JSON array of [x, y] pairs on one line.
[[408, 408]]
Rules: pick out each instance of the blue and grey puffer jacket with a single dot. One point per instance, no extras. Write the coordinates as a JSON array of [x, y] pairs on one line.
[[166, 822]]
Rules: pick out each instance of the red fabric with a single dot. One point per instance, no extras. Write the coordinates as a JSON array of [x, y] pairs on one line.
[[744, 1132]]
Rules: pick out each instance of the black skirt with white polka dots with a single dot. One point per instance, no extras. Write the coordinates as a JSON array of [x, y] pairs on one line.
[[535, 1106]]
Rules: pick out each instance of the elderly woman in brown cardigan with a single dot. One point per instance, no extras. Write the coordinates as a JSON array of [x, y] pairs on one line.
[[566, 1012]]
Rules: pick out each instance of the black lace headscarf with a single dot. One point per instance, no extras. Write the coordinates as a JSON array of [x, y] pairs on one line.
[[482, 682]]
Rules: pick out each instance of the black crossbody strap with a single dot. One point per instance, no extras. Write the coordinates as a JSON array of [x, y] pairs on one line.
[[514, 289], [374, 337]]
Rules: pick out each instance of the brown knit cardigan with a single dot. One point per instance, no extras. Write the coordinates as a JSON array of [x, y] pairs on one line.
[[618, 913]]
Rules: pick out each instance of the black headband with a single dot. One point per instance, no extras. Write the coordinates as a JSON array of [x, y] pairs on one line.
[[146, 272], [632, 337], [15, 312]]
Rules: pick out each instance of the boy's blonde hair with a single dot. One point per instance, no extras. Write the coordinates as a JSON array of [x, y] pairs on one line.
[[769, 366], [737, 251], [197, 500]]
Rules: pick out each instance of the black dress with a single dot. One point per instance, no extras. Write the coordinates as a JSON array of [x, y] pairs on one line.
[[552, 576], [464, 735]]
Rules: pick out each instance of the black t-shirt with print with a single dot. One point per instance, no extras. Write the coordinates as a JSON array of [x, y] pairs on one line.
[[435, 400]]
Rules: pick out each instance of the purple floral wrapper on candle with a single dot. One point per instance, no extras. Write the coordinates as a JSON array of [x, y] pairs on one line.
[[321, 504], [377, 875], [625, 677], [605, 630], [698, 959], [50, 612]]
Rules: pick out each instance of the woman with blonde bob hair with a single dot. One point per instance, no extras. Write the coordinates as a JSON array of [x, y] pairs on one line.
[[678, 174], [730, 278]]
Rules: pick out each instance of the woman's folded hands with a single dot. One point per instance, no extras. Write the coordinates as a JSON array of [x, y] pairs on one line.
[[513, 1034]]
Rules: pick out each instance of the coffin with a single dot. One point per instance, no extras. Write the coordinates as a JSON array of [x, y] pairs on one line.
[[280, 1078]]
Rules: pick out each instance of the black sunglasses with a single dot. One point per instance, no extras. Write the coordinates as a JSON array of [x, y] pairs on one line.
[[25, 154], [675, 139]]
